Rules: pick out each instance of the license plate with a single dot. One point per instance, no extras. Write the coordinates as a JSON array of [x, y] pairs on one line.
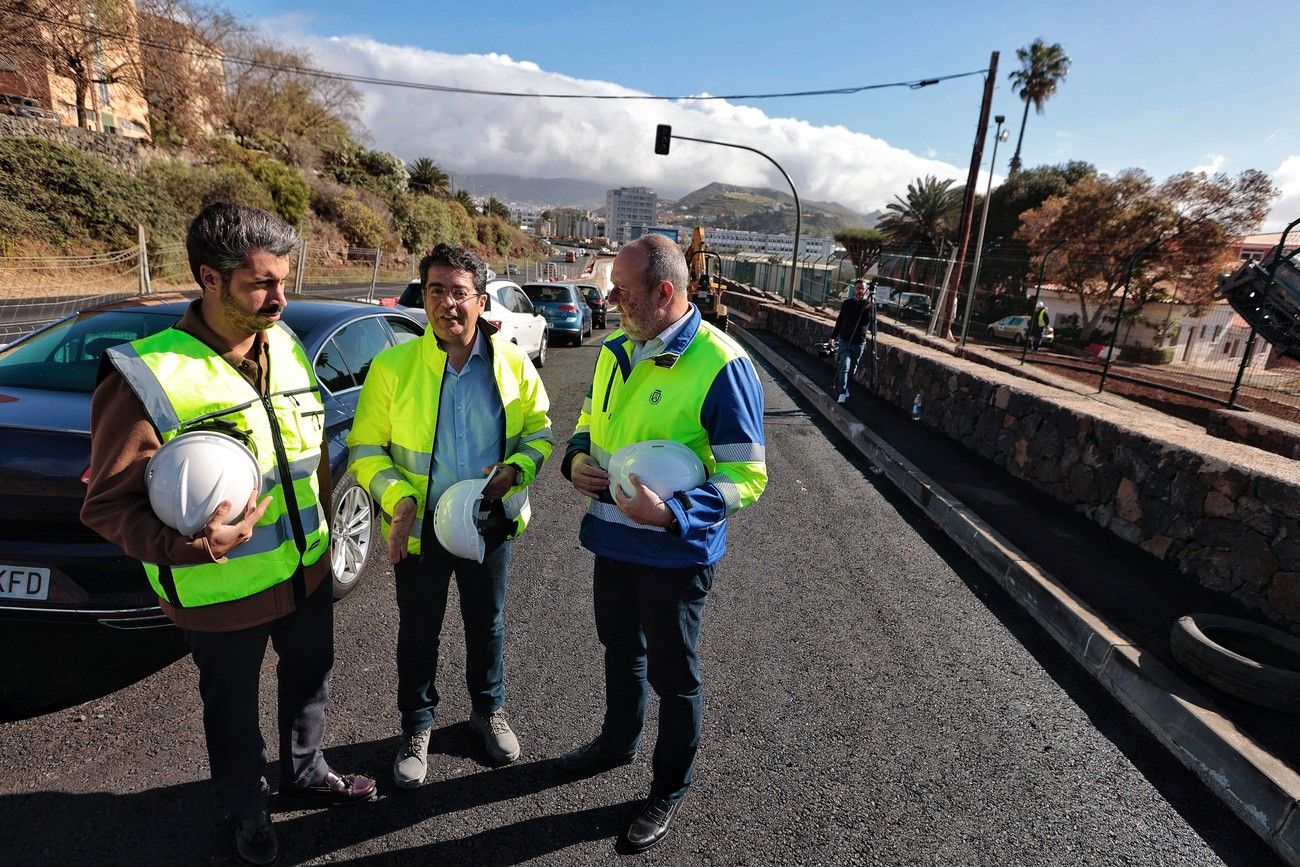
[[24, 582]]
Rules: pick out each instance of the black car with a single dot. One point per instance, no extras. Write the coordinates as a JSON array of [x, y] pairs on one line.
[[596, 301], [52, 565]]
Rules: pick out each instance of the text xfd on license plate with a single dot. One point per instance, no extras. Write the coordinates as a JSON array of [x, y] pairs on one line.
[[24, 582]]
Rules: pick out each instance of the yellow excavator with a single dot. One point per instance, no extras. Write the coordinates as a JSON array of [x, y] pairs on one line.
[[706, 290]]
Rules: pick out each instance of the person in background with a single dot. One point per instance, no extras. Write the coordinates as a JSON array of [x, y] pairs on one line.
[[229, 596], [856, 319], [664, 375], [1038, 325]]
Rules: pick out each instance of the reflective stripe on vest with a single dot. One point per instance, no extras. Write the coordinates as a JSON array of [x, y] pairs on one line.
[[184, 385]]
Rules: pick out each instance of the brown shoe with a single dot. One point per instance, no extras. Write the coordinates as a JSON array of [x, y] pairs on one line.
[[334, 791]]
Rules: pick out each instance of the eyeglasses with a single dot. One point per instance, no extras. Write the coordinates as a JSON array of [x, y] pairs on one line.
[[457, 296]]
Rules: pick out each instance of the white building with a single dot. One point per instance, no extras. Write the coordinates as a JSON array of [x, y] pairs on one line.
[[628, 210], [735, 241], [525, 215]]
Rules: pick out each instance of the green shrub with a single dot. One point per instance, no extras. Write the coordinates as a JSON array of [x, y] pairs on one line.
[[61, 194], [466, 231], [423, 221], [289, 192], [1147, 354], [360, 225]]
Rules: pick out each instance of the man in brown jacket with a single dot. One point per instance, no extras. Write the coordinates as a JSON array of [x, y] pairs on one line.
[[240, 258]]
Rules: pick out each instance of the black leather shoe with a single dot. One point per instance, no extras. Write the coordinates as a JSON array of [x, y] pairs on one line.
[[651, 826], [336, 790], [592, 758], [255, 840]]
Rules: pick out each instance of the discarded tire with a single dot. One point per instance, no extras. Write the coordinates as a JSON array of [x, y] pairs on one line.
[[1248, 660]]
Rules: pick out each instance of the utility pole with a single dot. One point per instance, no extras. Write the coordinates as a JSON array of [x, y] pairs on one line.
[[949, 310]]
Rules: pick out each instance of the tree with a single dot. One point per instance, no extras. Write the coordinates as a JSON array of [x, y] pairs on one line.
[[181, 70], [465, 199], [1019, 193], [89, 42], [864, 247], [926, 218], [273, 106], [429, 178], [1042, 68], [495, 208], [1110, 219]]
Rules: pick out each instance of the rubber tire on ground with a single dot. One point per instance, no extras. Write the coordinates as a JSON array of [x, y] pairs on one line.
[[540, 360], [352, 535], [1238, 675]]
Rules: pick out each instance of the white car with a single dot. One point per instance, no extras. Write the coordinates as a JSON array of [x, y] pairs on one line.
[[1017, 328], [508, 308]]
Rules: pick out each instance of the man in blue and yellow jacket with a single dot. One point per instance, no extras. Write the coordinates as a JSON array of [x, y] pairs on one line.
[[456, 404], [665, 374]]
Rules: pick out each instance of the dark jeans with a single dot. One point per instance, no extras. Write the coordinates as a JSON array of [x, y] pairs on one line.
[[422, 585], [648, 619], [230, 666], [846, 356]]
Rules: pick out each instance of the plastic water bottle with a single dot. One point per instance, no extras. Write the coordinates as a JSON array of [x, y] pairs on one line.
[[916, 407]]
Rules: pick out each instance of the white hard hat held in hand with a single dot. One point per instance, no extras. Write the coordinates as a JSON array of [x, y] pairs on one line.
[[663, 466], [192, 474], [457, 516]]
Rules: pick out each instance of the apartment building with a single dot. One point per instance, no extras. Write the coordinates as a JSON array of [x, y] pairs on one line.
[[628, 211]]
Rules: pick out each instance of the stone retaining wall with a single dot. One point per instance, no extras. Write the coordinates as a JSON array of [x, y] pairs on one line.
[[121, 153], [1227, 515]]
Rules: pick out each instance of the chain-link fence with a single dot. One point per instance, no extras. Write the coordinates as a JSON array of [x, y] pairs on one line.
[[1183, 356], [37, 290]]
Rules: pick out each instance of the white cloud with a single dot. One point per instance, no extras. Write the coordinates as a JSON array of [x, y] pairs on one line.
[[609, 141], [1287, 206], [1214, 166]]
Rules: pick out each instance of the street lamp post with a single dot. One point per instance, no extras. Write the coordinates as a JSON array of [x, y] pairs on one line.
[[663, 138], [999, 135]]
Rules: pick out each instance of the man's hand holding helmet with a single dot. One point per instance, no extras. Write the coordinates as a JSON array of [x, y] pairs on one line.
[[221, 537]]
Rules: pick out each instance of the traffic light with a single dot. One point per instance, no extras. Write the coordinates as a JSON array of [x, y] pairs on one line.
[[663, 137]]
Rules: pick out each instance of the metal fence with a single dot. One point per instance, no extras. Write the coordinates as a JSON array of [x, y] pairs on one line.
[[1183, 358], [37, 290]]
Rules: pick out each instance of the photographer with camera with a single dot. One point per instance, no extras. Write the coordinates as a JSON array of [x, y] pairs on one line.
[[849, 336]]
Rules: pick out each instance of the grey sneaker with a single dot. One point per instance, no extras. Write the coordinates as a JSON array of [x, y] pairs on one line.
[[501, 743], [412, 760], [255, 839]]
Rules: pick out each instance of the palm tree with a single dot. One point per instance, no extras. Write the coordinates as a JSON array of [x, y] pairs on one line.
[[1043, 67], [466, 200], [928, 215], [428, 177]]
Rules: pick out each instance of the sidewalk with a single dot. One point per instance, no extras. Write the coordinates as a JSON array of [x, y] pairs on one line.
[[1109, 603]]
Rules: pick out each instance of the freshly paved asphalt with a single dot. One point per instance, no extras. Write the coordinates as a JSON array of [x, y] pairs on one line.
[[871, 697]]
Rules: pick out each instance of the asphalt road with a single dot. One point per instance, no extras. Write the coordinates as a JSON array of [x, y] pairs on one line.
[[871, 698]]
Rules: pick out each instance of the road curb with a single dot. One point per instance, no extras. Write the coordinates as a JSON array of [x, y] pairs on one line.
[[1259, 788]]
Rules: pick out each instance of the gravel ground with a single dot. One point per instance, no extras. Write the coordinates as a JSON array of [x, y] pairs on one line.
[[871, 698]]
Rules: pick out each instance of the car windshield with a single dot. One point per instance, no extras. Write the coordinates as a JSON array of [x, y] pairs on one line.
[[544, 294], [66, 356]]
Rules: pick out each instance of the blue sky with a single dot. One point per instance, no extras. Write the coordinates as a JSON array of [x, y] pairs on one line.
[[1165, 86]]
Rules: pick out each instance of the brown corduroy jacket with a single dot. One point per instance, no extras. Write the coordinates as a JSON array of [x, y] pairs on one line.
[[117, 499]]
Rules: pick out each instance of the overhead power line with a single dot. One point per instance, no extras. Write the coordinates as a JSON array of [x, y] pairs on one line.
[[314, 72]]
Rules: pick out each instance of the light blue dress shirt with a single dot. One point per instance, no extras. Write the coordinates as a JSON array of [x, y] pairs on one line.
[[471, 423]]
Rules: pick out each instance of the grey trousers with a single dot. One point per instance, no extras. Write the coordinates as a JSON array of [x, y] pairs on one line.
[[230, 666]]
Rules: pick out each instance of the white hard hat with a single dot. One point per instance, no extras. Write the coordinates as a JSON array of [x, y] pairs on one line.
[[663, 466], [1040, 305], [193, 473], [456, 519]]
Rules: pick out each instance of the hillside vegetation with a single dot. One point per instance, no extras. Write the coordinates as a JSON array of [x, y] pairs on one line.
[[756, 209]]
